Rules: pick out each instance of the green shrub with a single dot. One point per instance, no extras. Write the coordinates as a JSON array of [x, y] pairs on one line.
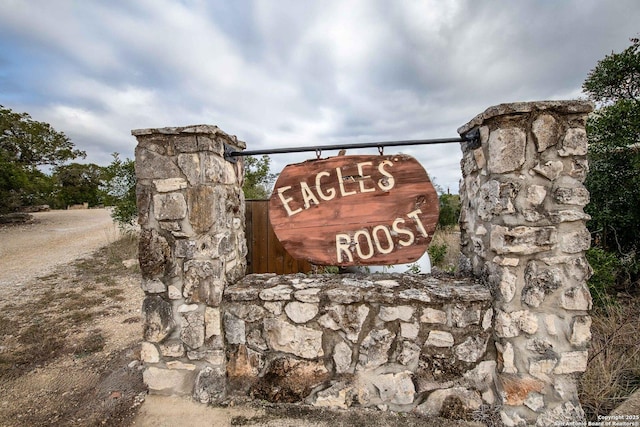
[[606, 268], [437, 253]]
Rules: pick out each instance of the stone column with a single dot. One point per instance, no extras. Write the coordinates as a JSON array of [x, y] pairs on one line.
[[523, 232], [192, 244]]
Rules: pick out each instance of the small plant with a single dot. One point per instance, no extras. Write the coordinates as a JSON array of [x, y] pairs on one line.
[[606, 267], [437, 253]]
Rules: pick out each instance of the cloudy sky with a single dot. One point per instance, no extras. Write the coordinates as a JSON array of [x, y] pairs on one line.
[[280, 73]]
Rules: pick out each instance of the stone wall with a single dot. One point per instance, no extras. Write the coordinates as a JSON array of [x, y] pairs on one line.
[[523, 232], [192, 245], [513, 334], [397, 342]]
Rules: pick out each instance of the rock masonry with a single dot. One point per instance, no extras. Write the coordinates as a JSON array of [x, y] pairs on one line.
[[512, 335], [524, 234]]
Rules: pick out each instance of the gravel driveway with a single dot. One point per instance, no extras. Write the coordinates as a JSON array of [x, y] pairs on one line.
[[54, 238]]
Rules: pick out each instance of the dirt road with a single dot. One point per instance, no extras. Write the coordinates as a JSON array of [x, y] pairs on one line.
[[54, 238]]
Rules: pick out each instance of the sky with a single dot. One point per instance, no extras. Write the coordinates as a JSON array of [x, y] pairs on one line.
[[282, 73]]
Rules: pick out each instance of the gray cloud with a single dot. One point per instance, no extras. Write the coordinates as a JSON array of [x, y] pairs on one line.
[[297, 72]]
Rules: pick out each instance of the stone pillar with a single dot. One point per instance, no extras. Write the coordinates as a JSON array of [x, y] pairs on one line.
[[192, 244], [523, 232]]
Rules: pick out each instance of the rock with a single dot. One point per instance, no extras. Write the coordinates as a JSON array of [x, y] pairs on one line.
[[298, 340], [575, 242], [168, 381], [470, 400], [374, 349], [247, 312], [409, 330], [576, 298], [545, 131], [462, 316], [159, 321], [541, 368], [172, 348], [574, 143], [210, 385], [211, 322], [168, 185], [580, 331], [153, 286], [202, 282], [339, 395], [154, 253], [169, 206], [430, 315], [514, 389], [507, 355], [202, 202], [506, 149], [234, 329], [439, 339], [308, 295], [342, 355], [276, 293], [396, 388], [550, 170], [522, 240], [150, 165], [287, 380], [344, 296], [572, 361], [536, 194], [301, 312], [572, 195], [481, 377], [349, 319], [149, 353], [472, 349], [192, 330], [389, 314], [564, 414]]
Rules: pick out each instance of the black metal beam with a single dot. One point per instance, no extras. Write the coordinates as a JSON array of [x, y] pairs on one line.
[[230, 154]]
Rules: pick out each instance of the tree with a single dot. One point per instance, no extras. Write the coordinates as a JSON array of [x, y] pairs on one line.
[[614, 158], [26, 144], [119, 190], [257, 178], [78, 183]]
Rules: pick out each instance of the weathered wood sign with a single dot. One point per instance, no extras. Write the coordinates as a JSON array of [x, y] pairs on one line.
[[355, 210]]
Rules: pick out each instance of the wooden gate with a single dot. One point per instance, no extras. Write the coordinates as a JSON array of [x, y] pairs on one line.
[[265, 253]]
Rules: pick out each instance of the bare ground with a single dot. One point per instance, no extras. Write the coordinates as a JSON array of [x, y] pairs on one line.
[[69, 322]]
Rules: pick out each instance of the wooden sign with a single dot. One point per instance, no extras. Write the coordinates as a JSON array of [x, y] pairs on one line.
[[355, 210]]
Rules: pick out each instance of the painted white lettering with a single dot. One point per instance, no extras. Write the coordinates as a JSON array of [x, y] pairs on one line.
[[343, 241], [308, 195], [388, 181], [396, 227], [356, 238], [414, 215], [376, 239], [343, 192], [331, 192], [285, 201], [363, 177]]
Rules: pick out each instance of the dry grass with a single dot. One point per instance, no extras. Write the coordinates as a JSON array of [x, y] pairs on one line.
[[613, 372], [447, 243]]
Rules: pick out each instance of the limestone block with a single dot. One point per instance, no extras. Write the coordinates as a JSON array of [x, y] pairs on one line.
[[214, 170], [576, 298], [514, 388], [409, 330], [539, 282], [176, 364], [344, 295], [506, 149], [150, 165], [550, 170], [507, 356], [568, 216], [439, 339], [339, 395], [542, 368], [578, 196], [487, 319], [536, 194], [579, 169], [171, 348], [202, 282], [572, 361], [153, 255], [190, 166], [463, 316], [274, 307], [374, 349], [212, 322], [210, 385], [201, 201], [389, 314], [168, 381], [342, 355], [545, 131], [348, 318], [481, 377], [507, 285], [534, 401], [298, 340], [149, 353], [496, 198], [576, 241], [431, 315], [478, 155], [301, 312], [410, 355], [395, 388], [244, 364], [574, 143], [159, 321], [414, 295], [505, 325], [522, 240], [469, 399], [153, 286], [170, 184], [310, 295], [471, 350], [169, 206], [192, 329], [173, 292], [234, 329], [247, 312], [185, 248], [580, 331], [276, 293]]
